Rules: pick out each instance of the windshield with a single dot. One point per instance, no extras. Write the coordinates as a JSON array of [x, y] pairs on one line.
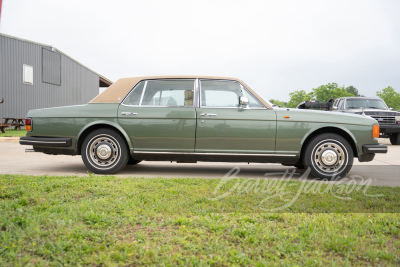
[[365, 103]]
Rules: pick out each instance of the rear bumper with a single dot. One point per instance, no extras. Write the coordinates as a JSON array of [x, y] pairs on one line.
[[373, 149], [46, 141], [388, 129]]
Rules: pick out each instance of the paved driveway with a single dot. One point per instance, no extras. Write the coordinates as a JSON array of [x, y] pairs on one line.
[[384, 170]]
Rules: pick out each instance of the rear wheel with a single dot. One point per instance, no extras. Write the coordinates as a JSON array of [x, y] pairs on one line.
[[395, 139], [104, 151], [328, 156]]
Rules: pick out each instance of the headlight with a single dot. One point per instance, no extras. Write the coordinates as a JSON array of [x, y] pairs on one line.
[[397, 118]]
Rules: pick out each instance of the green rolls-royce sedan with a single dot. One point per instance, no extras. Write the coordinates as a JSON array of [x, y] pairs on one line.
[[199, 118]]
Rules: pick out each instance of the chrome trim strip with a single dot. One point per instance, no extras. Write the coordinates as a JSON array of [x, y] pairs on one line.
[[136, 106], [161, 117], [196, 101], [141, 97], [214, 154], [46, 142]]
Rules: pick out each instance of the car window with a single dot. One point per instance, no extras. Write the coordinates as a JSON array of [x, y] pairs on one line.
[[253, 102], [335, 104], [366, 103], [162, 93], [168, 93], [224, 93], [340, 105], [135, 95]]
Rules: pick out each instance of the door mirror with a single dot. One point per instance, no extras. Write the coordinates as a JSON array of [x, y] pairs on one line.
[[243, 101], [334, 108], [390, 108]]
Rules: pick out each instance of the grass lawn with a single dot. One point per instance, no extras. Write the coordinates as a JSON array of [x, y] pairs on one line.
[[13, 133], [106, 220]]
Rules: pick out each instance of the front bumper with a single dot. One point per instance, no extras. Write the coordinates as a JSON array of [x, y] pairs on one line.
[[46, 141], [373, 149], [389, 128]]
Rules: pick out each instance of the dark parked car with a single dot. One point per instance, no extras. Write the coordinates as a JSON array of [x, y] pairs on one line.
[[375, 107]]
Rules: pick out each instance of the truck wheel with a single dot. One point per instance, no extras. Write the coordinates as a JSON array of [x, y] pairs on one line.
[[328, 156], [104, 151], [395, 139]]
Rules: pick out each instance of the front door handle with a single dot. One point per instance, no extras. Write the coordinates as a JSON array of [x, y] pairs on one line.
[[208, 115], [128, 113]]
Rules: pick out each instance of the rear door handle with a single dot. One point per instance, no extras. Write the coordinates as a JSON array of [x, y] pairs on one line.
[[208, 115], [128, 113]]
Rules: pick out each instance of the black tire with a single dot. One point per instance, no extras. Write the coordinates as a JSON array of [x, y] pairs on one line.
[[299, 165], [104, 151], [329, 156], [133, 161], [395, 139]]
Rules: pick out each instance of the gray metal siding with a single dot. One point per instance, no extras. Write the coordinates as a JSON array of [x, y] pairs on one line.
[[78, 84], [51, 67]]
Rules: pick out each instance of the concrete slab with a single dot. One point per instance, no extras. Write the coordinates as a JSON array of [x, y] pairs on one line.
[[384, 170]]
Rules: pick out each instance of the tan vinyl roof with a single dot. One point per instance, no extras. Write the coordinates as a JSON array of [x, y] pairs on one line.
[[118, 90]]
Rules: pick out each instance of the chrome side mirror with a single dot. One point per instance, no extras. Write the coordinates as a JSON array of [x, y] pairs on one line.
[[334, 108], [390, 108], [243, 101]]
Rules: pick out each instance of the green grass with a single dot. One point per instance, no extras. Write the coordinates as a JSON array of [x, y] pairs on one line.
[[48, 220], [13, 133]]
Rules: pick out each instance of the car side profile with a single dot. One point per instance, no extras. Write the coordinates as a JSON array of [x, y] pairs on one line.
[[199, 118]]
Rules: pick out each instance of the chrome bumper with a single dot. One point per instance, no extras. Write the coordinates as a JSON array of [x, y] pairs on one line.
[[373, 149]]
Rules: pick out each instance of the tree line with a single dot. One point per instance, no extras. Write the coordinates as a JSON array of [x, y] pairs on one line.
[[324, 92]]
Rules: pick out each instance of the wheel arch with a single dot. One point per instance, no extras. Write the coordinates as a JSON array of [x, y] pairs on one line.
[[330, 129], [102, 124]]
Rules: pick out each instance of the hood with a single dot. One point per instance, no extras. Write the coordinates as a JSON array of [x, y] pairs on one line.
[[328, 117]]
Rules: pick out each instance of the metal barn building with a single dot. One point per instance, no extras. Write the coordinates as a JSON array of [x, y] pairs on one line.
[[34, 75]]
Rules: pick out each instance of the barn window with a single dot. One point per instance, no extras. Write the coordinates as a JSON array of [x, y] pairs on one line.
[[27, 74], [51, 67]]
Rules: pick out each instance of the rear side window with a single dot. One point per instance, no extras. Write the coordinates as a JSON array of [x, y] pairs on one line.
[[162, 93], [134, 97]]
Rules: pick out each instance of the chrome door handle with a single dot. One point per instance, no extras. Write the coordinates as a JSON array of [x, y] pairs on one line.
[[208, 114], [128, 113]]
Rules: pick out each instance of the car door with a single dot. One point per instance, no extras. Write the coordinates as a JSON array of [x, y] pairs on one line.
[[223, 126], [159, 115]]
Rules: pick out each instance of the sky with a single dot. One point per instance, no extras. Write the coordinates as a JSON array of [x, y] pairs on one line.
[[275, 47]]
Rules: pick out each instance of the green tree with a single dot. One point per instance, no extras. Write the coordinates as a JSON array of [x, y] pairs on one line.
[[391, 97], [324, 92], [297, 97], [352, 90]]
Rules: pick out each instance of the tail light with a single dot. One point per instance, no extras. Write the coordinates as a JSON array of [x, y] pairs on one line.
[[28, 124], [375, 131]]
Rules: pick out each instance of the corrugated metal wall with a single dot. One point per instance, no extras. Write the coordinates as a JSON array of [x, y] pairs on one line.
[[78, 84]]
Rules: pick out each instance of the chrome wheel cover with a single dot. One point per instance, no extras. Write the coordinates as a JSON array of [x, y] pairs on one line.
[[329, 156], [103, 151]]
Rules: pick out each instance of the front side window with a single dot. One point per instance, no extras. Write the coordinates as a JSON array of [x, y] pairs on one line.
[[162, 93], [224, 93]]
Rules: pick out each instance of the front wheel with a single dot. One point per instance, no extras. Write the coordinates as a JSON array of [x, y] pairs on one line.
[[395, 139], [328, 156], [104, 151]]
